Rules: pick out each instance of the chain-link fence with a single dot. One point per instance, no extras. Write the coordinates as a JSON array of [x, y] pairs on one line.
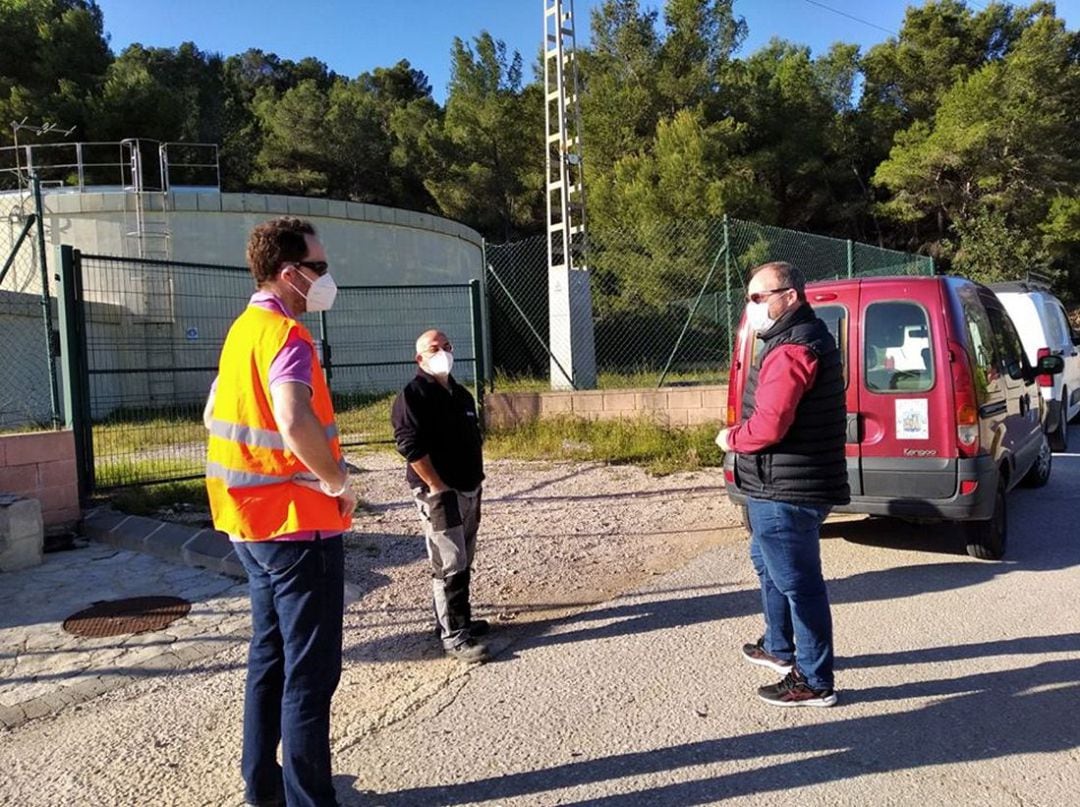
[[665, 298], [29, 397], [153, 332]]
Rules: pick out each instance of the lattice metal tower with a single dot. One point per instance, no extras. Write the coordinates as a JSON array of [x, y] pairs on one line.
[[570, 300]]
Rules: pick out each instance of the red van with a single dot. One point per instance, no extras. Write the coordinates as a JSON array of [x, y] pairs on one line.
[[944, 411]]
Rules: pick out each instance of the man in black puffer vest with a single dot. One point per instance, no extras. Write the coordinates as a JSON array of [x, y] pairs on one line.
[[790, 462]]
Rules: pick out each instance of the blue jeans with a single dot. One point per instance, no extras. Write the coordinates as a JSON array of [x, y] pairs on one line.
[[785, 548], [294, 663]]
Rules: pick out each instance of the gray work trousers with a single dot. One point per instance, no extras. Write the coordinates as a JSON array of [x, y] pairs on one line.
[[450, 521]]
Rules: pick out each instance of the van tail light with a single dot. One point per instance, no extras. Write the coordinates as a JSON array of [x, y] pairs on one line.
[[734, 386], [1045, 380], [967, 404]]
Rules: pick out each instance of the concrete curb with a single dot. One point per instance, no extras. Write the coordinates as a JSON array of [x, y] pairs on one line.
[[169, 660], [198, 547]]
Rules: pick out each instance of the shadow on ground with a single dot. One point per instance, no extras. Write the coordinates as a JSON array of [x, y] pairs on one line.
[[1026, 718]]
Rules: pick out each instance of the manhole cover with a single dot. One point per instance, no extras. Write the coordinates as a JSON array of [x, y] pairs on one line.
[[133, 615]]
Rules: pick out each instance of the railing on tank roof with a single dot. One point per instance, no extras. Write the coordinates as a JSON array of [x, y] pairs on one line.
[[134, 164]]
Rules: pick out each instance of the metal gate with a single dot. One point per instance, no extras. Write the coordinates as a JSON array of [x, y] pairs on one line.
[[141, 340]]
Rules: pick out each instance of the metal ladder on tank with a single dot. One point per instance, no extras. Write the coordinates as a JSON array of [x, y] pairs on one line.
[[150, 235], [150, 238]]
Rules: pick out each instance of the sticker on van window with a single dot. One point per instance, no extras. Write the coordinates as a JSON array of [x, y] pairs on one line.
[[912, 419]]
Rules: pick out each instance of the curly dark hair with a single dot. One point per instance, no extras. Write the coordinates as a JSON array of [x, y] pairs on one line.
[[275, 242]]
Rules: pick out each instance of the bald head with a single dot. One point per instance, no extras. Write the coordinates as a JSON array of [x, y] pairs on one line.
[[430, 342]]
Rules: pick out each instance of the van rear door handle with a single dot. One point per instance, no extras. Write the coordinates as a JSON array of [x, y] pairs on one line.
[[854, 428]]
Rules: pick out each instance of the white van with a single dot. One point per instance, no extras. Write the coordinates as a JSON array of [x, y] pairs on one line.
[[910, 355], [1045, 330]]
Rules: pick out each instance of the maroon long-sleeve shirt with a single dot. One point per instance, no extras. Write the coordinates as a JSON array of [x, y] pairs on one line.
[[785, 375]]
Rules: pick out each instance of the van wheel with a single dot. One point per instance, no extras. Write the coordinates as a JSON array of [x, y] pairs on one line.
[[986, 539], [1059, 438], [1039, 474]]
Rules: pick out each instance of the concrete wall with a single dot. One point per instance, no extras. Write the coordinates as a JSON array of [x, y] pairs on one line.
[[41, 465], [672, 406]]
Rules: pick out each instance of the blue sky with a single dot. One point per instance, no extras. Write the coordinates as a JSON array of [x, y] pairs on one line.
[[353, 36]]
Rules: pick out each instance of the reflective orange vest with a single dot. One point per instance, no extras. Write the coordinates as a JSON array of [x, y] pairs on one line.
[[249, 470]]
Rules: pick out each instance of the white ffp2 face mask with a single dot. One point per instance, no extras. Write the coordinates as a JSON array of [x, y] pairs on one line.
[[757, 316], [441, 363], [321, 294]]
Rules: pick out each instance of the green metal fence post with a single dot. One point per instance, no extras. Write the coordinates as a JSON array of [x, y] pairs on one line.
[[689, 319], [850, 258], [74, 365], [727, 285], [479, 371], [46, 303], [324, 343]]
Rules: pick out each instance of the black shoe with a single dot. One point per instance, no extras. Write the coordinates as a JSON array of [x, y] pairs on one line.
[[755, 654], [794, 691], [470, 651]]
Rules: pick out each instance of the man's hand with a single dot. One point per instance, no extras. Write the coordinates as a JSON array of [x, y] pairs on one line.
[[347, 503], [721, 440], [430, 477]]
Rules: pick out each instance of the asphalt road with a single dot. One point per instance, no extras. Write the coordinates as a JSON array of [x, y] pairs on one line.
[[959, 683]]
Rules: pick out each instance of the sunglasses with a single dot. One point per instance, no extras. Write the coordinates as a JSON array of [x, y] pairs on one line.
[[762, 296], [318, 267]]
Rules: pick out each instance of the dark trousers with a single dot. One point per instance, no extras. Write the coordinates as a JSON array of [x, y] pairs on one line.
[[294, 663]]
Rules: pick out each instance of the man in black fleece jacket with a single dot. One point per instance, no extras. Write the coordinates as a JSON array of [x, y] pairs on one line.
[[438, 433]]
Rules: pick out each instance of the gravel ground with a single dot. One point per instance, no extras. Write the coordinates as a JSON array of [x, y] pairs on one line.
[[554, 537], [552, 533]]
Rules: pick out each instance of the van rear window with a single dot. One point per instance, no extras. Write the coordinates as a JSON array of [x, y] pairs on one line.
[[835, 319], [896, 348]]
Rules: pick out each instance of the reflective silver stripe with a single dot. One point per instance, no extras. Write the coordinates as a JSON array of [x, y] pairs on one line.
[[248, 435], [242, 479], [249, 479], [253, 436]]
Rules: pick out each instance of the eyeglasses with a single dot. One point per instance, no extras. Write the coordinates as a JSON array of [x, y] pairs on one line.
[[318, 267], [762, 296]]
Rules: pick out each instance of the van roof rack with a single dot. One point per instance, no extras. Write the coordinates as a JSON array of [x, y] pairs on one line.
[[1039, 279], [1033, 282]]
